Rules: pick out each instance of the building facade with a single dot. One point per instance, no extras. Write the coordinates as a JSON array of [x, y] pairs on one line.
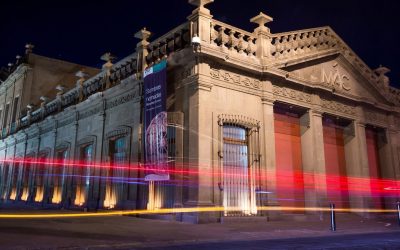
[[255, 120]]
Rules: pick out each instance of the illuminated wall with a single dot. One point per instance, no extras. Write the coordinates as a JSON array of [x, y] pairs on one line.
[[335, 163], [289, 176], [374, 166]]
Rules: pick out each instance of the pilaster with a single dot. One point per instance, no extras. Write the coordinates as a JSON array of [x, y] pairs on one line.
[[268, 162], [313, 157]]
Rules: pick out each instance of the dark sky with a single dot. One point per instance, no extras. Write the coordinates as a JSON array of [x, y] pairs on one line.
[[81, 31]]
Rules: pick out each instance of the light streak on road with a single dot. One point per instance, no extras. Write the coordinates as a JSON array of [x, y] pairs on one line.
[[188, 210]]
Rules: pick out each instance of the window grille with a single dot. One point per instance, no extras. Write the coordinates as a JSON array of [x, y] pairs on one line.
[[82, 175], [59, 176], [40, 171], [115, 173], [14, 192], [240, 165]]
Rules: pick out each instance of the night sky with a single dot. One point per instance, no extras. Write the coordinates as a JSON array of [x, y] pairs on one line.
[[81, 31]]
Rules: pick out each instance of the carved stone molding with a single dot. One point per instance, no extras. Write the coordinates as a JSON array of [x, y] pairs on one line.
[[63, 146], [372, 116], [188, 71], [66, 121], [121, 100], [238, 120], [338, 107], [91, 139], [235, 78], [118, 132], [90, 112], [292, 94]]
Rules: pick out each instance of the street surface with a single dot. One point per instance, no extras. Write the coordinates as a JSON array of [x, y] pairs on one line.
[[124, 232]]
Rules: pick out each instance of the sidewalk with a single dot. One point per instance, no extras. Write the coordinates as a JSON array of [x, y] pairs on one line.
[[130, 232]]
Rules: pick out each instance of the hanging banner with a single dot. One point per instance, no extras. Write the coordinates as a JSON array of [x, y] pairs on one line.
[[155, 122]]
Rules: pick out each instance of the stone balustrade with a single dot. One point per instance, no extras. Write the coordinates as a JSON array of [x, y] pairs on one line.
[[176, 39], [395, 93], [119, 71], [234, 39], [290, 44]]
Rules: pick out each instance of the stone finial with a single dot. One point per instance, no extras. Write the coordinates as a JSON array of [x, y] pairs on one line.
[[29, 107], [143, 34], [17, 59], [28, 48], [200, 3], [82, 77], [108, 58], [381, 71], [44, 100], [10, 65], [200, 7], [261, 19], [81, 74], [60, 89]]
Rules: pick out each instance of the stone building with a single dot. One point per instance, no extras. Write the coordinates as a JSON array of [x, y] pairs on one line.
[[255, 119]]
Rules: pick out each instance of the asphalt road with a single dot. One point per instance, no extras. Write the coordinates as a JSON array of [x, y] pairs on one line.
[[363, 241], [125, 232]]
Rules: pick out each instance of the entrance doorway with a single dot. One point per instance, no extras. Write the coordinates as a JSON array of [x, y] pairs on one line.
[[239, 186]]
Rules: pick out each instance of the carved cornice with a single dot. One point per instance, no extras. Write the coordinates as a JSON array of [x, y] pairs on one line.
[[291, 94], [66, 121], [375, 117], [236, 79], [63, 146], [338, 107], [118, 132], [121, 100], [90, 112]]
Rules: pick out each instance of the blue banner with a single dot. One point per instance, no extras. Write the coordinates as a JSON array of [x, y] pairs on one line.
[[155, 122]]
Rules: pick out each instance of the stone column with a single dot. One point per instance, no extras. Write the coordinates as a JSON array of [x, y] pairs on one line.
[[199, 137], [99, 183], [357, 167], [49, 182], [313, 156], [73, 154], [388, 162], [268, 163]]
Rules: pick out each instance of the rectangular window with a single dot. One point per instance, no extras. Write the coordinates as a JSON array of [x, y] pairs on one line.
[[14, 181], [6, 115], [115, 175], [15, 109], [82, 175], [39, 176], [26, 172], [4, 181], [59, 170]]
